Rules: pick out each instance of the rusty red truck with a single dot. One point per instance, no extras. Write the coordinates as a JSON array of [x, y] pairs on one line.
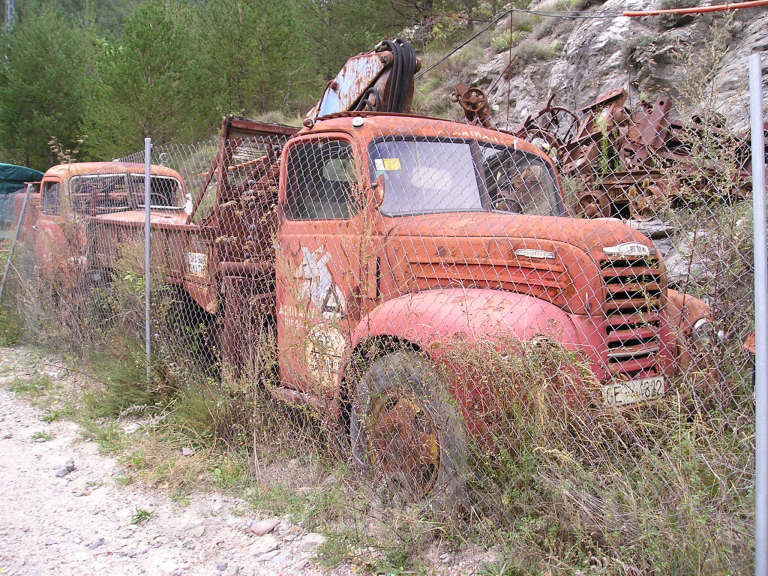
[[69, 195], [376, 236]]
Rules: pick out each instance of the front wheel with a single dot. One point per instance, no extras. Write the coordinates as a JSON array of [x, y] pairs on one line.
[[407, 434]]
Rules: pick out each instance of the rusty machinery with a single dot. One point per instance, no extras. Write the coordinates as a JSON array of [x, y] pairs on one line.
[[635, 161], [631, 162], [475, 104]]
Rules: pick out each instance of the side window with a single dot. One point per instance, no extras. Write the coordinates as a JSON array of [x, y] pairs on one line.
[[520, 183], [321, 179], [207, 204], [49, 201]]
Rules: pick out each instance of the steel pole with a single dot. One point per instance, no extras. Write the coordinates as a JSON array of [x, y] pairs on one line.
[[13, 244], [761, 317], [9, 10], [147, 245]]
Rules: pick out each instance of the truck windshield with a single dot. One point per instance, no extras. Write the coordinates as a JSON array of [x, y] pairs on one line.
[[105, 193], [431, 176], [165, 192]]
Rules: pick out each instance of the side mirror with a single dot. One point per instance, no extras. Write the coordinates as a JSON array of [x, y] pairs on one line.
[[188, 206], [378, 190]]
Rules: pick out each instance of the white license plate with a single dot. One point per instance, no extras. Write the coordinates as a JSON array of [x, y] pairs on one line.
[[197, 263], [633, 391]]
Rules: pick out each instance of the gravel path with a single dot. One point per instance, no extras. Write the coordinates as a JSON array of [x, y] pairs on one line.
[[61, 512]]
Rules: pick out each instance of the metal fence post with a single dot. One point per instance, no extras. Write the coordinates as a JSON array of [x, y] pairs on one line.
[[761, 317], [147, 237], [13, 244]]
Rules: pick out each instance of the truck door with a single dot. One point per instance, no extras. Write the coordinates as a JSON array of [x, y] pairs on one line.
[[322, 273], [49, 240]]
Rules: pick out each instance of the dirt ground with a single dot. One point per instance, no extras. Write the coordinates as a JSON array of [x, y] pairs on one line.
[[63, 512], [64, 509]]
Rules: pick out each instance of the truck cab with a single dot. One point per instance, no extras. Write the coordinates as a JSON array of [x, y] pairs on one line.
[[417, 229], [418, 233], [74, 196]]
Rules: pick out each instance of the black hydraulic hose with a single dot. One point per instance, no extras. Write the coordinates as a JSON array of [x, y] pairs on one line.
[[364, 103], [401, 77], [394, 75], [404, 64], [408, 74]]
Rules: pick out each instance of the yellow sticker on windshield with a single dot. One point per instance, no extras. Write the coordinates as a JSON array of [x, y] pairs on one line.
[[387, 164]]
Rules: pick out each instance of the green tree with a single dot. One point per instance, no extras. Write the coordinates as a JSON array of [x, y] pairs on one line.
[[46, 63], [246, 51], [336, 30], [142, 88]]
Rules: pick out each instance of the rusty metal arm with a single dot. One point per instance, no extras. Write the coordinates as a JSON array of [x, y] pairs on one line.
[[380, 80], [698, 9], [201, 193]]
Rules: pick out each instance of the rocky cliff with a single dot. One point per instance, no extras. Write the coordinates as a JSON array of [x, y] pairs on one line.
[[695, 60]]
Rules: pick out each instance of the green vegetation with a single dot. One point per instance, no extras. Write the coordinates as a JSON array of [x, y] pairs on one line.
[[50, 415], [100, 76], [33, 386], [107, 434], [123, 379], [140, 516], [10, 325], [42, 437], [502, 41], [42, 94]]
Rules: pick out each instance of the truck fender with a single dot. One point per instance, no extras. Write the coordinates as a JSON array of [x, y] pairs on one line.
[[431, 318]]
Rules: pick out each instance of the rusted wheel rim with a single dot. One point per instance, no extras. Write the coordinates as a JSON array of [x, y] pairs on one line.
[[403, 446]]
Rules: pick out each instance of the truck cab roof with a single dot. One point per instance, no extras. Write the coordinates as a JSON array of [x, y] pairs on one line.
[[390, 124], [63, 171]]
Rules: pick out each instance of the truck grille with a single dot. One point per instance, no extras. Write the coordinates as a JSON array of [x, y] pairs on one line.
[[634, 296]]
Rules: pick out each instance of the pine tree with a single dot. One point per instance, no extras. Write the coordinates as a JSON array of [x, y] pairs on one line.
[[142, 89], [44, 77]]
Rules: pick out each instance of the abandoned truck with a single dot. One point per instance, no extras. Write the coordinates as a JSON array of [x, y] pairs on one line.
[[376, 236], [69, 195]]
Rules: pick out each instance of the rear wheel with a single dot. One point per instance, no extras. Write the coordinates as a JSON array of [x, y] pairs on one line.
[[407, 434]]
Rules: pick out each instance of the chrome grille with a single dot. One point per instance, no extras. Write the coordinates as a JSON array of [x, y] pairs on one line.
[[634, 294]]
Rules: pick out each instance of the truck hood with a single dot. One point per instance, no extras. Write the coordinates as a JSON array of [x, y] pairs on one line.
[[158, 218], [590, 236], [556, 259]]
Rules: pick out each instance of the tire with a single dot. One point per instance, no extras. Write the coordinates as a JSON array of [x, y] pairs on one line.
[[406, 434]]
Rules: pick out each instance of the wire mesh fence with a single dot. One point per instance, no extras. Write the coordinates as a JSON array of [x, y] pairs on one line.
[[537, 343]]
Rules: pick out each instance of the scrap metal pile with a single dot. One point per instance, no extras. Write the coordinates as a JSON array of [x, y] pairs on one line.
[[632, 161]]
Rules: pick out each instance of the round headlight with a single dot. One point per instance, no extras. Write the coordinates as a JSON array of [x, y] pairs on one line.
[[540, 341], [703, 332]]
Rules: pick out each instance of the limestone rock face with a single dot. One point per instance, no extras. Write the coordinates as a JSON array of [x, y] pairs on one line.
[[701, 58]]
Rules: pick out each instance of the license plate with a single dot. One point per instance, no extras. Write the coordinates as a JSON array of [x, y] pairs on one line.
[[197, 263], [633, 391]]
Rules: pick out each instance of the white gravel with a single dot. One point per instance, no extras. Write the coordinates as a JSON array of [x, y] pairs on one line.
[[80, 522], [62, 511]]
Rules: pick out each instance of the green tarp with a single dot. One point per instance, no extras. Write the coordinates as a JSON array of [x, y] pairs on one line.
[[12, 177]]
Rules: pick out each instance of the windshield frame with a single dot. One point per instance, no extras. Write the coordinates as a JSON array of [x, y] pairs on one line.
[[135, 201], [139, 198], [475, 145]]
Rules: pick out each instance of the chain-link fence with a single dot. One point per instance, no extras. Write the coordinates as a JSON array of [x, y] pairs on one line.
[[545, 350]]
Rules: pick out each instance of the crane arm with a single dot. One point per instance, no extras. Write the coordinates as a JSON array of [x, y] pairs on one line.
[[380, 80]]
